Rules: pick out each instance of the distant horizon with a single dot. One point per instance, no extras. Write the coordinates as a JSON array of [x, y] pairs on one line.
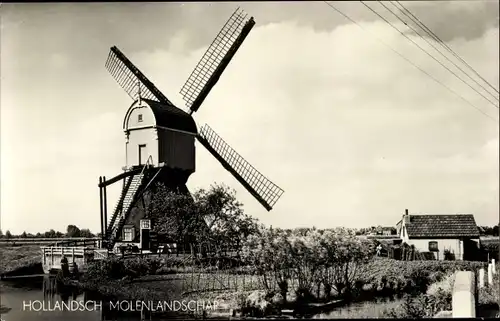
[[289, 228]]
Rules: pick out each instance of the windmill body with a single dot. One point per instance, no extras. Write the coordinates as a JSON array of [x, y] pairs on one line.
[[164, 132], [160, 141]]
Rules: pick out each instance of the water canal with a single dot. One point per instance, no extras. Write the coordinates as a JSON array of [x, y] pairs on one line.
[[41, 298]]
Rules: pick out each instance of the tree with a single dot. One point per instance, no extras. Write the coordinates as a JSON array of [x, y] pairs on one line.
[[24, 235], [212, 217], [50, 234], [488, 230], [85, 232], [173, 215], [72, 231], [227, 223], [1, 234], [8, 234]]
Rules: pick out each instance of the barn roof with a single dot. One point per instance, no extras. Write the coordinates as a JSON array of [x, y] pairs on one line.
[[172, 117], [443, 225]]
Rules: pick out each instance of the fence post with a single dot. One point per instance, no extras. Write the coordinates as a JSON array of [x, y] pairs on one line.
[[490, 274], [493, 266], [463, 298], [481, 278]]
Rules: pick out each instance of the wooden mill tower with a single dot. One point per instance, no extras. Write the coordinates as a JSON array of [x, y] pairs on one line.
[[160, 139]]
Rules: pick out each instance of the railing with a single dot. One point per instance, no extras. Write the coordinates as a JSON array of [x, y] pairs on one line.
[[66, 251], [119, 205], [93, 243], [99, 254], [126, 208]]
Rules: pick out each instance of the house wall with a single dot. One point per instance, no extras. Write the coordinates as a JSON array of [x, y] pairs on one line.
[[455, 246], [402, 232]]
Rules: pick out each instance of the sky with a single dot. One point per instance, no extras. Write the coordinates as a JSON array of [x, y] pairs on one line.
[[351, 131]]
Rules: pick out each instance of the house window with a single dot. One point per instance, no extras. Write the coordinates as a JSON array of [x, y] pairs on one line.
[[145, 224], [128, 234], [433, 246], [139, 118]]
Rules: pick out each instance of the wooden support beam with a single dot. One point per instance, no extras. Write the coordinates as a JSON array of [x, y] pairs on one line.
[[100, 207], [105, 205], [119, 177]]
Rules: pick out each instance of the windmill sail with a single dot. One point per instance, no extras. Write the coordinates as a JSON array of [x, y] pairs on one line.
[[206, 74], [129, 76], [265, 191]]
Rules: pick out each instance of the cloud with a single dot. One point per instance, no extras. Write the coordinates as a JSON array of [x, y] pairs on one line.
[[352, 132], [105, 23]]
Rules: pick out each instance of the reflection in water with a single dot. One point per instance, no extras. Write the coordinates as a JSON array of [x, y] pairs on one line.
[[44, 298]]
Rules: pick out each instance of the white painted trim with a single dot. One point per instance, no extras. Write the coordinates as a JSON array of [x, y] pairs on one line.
[[175, 130], [160, 127], [129, 112], [140, 127]]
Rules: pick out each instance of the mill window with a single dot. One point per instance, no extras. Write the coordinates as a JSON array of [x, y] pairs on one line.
[[145, 224], [139, 118], [128, 234], [433, 246]]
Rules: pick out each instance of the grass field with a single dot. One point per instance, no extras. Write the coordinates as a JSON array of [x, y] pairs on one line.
[[15, 257]]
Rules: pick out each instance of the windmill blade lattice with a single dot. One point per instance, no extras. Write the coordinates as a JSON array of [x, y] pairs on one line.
[[216, 58], [264, 190], [129, 76]]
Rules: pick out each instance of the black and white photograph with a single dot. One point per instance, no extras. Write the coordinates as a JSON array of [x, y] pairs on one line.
[[249, 160]]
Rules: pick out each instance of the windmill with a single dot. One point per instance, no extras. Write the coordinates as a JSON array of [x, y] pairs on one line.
[[160, 138]]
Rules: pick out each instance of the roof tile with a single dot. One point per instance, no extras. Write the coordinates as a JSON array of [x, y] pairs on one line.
[[455, 225]]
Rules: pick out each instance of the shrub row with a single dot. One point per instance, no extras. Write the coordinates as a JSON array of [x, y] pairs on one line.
[[116, 268]]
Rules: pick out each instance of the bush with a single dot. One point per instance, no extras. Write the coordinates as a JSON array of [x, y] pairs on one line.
[[312, 264], [421, 306], [393, 269], [117, 268], [110, 268], [445, 285], [448, 256], [142, 266], [489, 295]]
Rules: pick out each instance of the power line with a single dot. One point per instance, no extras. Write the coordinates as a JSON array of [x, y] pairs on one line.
[[416, 44], [438, 40], [427, 41], [409, 61]]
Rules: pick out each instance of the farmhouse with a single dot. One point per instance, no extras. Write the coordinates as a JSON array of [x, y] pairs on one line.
[[387, 231], [457, 234]]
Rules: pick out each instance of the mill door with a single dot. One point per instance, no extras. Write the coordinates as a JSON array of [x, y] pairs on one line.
[[143, 155]]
